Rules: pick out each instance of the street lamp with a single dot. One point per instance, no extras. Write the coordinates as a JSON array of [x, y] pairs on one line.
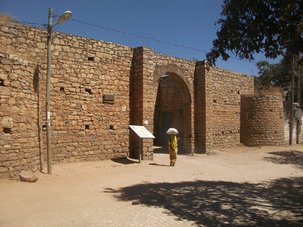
[[64, 17]]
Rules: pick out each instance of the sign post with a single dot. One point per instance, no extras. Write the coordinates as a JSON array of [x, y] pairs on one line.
[[142, 133]]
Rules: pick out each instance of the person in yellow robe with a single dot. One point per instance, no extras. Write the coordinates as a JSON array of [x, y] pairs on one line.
[[173, 148]]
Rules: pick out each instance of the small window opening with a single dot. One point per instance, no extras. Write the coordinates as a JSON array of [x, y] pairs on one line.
[[88, 90], [108, 99], [111, 127], [238, 92], [62, 89], [270, 110], [91, 58], [222, 132], [7, 130], [1, 82], [214, 100], [43, 127], [86, 126]]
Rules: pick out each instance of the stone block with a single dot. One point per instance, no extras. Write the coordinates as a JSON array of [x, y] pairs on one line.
[[3, 76], [27, 177], [5, 91], [7, 122]]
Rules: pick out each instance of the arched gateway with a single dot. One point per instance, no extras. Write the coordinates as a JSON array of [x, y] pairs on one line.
[[202, 102], [172, 110], [161, 96]]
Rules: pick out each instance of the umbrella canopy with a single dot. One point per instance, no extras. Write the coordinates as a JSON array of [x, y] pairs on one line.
[[172, 131]]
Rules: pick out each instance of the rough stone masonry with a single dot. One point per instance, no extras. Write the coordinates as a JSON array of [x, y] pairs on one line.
[[98, 89]]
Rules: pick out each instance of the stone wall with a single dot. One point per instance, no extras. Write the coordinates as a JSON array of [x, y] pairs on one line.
[[19, 122], [89, 98], [97, 90], [182, 73], [200, 81], [262, 120], [223, 102]]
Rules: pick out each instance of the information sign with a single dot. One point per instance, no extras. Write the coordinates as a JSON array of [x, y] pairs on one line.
[[142, 132]]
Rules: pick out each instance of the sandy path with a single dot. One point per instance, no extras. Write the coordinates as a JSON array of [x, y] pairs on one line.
[[249, 186]]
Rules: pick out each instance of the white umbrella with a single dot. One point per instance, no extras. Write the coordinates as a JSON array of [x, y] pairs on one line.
[[172, 131]]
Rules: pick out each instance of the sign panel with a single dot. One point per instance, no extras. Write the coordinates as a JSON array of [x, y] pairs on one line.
[[142, 132]]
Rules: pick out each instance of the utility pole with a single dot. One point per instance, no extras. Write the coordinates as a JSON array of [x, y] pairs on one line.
[[299, 104], [47, 97], [64, 17], [292, 100]]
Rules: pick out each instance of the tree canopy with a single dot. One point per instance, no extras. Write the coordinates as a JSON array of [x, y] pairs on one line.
[[272, 27], [278, 74]]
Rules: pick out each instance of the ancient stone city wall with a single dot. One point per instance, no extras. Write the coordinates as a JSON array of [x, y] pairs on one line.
[[97, 90], [223, 101], [89, 98], [147, 81], [262, 120]]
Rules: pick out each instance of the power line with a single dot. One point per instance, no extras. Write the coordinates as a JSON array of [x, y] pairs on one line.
[[26, 22], [153, 39], [138, 36]]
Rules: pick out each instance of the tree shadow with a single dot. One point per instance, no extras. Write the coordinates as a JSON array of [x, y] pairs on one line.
[[287, 157], [220, 203]]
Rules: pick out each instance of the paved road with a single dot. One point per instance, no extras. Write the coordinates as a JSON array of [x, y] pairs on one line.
[[251, 188]]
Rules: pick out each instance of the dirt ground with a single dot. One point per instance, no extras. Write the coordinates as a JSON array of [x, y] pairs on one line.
[[239, 186]]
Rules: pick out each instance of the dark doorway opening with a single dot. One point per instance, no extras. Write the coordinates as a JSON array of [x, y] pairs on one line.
[[172, 104]]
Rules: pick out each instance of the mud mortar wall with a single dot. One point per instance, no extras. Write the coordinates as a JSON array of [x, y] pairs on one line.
[[89, 98], [262, 120], [223, 102], [99, 88]]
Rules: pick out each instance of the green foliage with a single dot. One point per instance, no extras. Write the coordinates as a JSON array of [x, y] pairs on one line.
[[273, 75], [273, 27]]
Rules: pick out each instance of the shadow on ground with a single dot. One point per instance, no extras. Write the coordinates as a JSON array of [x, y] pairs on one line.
[[164, 150], [124, 160], [156, 164], [160, 150], [220, 203], [287, 157]]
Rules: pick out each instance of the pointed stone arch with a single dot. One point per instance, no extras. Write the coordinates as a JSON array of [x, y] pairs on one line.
[[146, 71], [173, 106]]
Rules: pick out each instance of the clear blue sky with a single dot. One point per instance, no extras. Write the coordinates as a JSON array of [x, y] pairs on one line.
[[189, 23]]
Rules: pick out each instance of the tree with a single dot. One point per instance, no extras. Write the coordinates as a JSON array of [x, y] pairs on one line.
[[273, 75], [279, 75], [273, 27]]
